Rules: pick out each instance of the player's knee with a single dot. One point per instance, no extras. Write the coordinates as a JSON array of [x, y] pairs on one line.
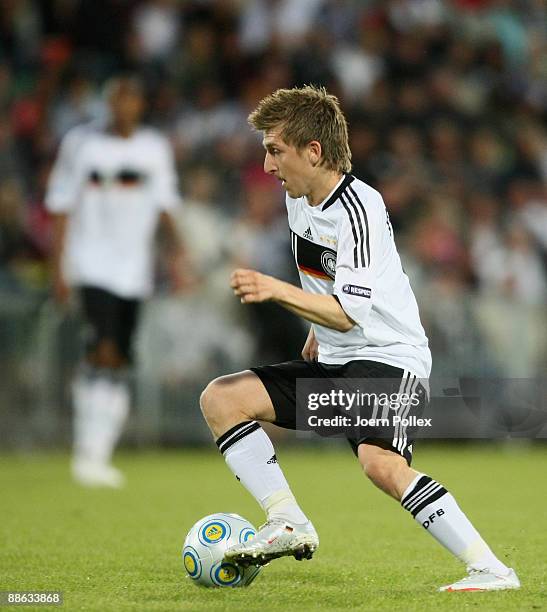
[[216, 401], [208, 400], [107, 355]]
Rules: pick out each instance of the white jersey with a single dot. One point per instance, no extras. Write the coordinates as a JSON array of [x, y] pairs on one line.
[[114, 189], [345, 247]]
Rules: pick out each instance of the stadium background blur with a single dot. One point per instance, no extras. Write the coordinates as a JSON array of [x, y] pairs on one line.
[[446, 104]]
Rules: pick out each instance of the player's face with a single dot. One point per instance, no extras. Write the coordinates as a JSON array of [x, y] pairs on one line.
[[127, 105], [287, 163]]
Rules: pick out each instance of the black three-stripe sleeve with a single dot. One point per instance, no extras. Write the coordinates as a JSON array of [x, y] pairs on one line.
[[358, 219], [353, 231], [367, 235]]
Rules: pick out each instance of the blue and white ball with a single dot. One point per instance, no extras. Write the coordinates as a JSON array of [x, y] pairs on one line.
[[204, 548]]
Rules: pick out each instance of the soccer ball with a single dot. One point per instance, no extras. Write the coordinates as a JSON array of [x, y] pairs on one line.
[[204, 548]]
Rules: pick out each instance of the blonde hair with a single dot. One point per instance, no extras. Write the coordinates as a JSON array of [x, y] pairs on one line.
[[305, 114]]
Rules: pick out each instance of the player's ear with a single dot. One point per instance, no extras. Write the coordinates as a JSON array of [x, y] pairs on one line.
[[314, 152]]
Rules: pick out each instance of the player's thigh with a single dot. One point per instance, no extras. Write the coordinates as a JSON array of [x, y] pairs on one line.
[[242, 393]]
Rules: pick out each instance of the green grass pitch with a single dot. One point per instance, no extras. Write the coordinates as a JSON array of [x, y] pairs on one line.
[[120, 550]]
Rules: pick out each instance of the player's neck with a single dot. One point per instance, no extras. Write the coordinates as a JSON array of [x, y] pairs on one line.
[[323, 184], [123, 130]]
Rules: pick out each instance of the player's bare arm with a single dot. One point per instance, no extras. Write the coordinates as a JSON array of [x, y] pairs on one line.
[[61, 289], [180, 270], [254, 287]]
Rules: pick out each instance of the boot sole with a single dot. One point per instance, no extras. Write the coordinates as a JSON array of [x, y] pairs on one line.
[[300, 552]]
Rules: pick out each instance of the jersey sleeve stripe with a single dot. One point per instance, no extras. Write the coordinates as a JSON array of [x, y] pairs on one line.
[[362, 219], [353, 230], [363, 210], [358, 221]]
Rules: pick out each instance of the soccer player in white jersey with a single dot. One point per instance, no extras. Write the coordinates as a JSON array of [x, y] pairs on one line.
[[110, 188], [364, 325]]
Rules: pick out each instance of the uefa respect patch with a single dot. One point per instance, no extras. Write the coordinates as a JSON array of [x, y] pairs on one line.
[[365, 292]]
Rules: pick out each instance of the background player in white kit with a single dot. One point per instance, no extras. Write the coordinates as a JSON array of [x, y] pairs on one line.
[[365, 324], [109, 188]]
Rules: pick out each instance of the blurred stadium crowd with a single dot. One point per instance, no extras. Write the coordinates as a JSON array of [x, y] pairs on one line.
[[446, 102]]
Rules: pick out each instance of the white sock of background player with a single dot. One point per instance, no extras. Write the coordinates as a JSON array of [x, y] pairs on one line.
[[436, 510], [110, 410], [101, 407], [82, 418], [250, 455]]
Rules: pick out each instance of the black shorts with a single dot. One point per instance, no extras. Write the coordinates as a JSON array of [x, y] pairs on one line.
[[109, 317], [382, 392]]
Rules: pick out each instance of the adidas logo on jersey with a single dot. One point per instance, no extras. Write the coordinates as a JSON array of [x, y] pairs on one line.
[[308, 234], [272, 460]]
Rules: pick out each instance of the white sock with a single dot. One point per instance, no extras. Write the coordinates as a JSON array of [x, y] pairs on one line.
[[101, 407], [437, 511], [112, 413], [81, 417], [250, 455]]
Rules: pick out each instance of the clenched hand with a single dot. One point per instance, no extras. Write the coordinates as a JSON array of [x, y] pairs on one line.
[[254, 287]]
